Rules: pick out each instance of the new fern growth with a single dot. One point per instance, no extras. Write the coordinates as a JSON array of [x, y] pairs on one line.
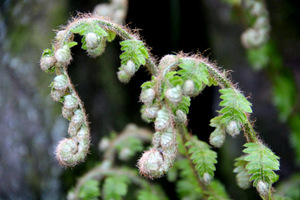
[[166, 98], [116, 179]]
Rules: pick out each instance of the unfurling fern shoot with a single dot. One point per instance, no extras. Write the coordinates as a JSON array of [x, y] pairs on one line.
[[166, 98]]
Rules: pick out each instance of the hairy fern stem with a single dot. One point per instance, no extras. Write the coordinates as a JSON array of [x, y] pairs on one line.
[[166, 98]]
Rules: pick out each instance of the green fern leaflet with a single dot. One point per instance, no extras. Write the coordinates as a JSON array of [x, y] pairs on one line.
[[262, 163], [203, 157], [133, 50], [235, 106], [115, 187], [90, 190]]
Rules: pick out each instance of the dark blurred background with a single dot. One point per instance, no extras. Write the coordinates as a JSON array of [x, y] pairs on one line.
[[30, 122]]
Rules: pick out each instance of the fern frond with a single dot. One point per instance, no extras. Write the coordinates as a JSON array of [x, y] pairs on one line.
[[89, 190], [173, 78], [115, 187], [203, 158], [262, 163], [147, 85], [197, 72], [216, 121], [235, 106], [233, 98], [187, 186], [81, 29], [84, 28], [135, 51], [184, 104]]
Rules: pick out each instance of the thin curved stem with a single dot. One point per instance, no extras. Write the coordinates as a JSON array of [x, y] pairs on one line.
[[250, 134], [222, 81], [118, 29]]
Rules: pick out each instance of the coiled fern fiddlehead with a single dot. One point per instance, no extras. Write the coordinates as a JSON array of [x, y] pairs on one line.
[[166, 100]]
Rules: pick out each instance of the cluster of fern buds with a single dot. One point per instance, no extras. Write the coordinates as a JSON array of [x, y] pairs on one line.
[[127, 71], [157, 161], [95, 44], [166, 103], [166, 100], [258, 34], [70, 151]]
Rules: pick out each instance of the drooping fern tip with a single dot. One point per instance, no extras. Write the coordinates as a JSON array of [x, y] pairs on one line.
[[166, 101]]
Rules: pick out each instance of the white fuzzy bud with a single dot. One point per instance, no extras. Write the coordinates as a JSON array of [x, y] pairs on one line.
[[71, 195], [92, 40], [181, 116], [70, 104], [262, 188], [106, 164], [206, 178], [98, 50], [60, 34], [150, 164], [123, 76], [104, 144], [252, 38], [65, 151], [169, 148], [167, 138], [57, 94], [47, 62], [156, 139], [188, 88], [76, 121], [125, 154], [169, 155], [261, 23], [233, 128], [60, 82], [83, 136], [242, 179], [147, 96], [130, 68], [72, 151], [217, 137], [67, 113], [257, 9], [167, 60], [162, 121], [63, 55], [174, 95], [150, 112]]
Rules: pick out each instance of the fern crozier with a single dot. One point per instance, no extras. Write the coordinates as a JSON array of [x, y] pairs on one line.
[[47, 62], [92, 40], [150, 164]]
